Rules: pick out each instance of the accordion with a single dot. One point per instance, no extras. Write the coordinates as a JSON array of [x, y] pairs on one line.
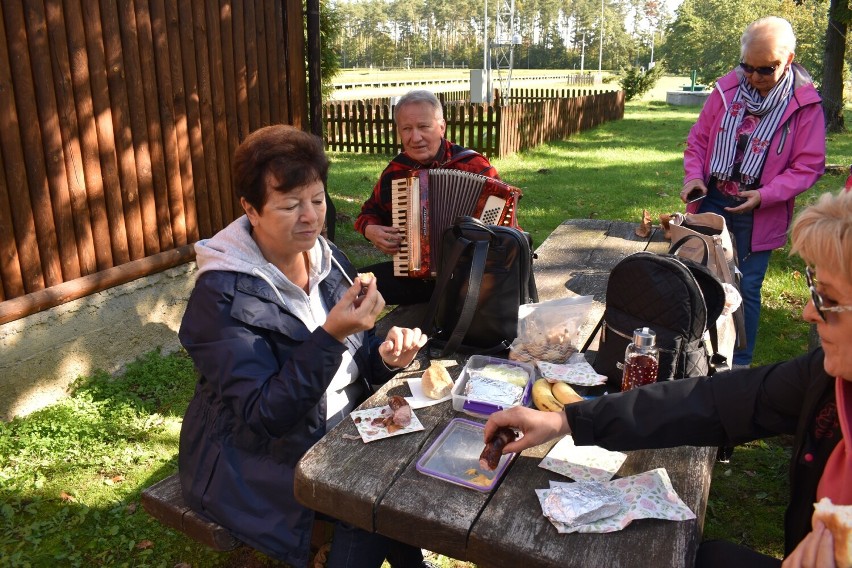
[[426, 202]]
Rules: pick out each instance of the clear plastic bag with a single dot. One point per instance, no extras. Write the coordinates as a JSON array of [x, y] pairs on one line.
[[549, 331]]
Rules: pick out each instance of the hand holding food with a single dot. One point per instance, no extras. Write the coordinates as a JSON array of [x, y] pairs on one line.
[[356, 311], [537, 427], [838, 520], [489, 459]]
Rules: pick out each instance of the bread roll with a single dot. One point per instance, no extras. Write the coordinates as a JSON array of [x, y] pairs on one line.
[[436, 382], [837, 519]]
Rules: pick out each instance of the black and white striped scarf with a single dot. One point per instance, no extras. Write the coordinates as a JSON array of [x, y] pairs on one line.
[[770, 109]]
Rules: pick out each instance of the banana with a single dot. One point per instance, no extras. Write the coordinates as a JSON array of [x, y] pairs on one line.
[[543, 398], [564, 393]]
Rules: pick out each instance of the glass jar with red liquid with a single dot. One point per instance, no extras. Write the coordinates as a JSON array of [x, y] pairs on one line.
[[641, 360]]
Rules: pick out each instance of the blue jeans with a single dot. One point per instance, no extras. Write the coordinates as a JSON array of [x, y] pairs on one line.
[[752, 265], [352, 547]]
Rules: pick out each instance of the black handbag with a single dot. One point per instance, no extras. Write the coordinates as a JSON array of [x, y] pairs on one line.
[[485, 273]]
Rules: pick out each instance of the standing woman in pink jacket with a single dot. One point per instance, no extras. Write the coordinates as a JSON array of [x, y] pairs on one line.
[[758, 143]]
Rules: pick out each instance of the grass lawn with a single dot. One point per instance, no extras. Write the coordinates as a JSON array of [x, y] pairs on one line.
[[71, 474]]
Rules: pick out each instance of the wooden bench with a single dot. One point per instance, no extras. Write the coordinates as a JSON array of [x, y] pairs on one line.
[[164, 502]]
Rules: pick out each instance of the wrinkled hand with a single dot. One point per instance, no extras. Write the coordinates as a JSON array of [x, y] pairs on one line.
[[356, 311], [689, 186], [401, 346], [537, 427], [386, 239], [815, 551], [752, 197]]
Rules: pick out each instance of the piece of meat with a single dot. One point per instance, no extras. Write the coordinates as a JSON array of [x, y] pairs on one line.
[[401, 411], [489, 459]]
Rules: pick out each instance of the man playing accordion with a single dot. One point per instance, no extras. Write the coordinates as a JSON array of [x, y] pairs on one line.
[[420, 124]]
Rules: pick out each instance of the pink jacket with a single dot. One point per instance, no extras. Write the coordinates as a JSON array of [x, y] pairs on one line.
[[795, 161]]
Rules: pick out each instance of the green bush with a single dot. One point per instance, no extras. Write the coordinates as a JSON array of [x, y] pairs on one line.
[[635, 81]]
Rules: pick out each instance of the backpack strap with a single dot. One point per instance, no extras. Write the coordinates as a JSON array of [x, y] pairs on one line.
[[465, 153], [705, 258], [453, 256], [477, 269], [592, 335]]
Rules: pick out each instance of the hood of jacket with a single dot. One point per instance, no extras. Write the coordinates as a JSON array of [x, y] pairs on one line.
[[234, 250]]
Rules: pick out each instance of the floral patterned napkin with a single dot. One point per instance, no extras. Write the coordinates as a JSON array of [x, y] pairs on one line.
[[579, 373], [582, 463], [648, 495]]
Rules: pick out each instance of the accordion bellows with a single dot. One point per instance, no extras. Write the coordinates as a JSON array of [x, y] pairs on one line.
[[425, 202]]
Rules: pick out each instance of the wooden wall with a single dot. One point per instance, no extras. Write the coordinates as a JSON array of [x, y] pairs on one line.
[[118, 120]]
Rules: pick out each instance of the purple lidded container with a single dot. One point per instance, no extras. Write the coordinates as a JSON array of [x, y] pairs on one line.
[[454, 457]]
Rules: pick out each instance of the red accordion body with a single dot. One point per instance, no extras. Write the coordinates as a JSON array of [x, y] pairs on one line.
[[428, 201]]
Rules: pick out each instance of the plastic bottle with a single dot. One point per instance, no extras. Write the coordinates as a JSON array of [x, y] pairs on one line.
[[641, 360]]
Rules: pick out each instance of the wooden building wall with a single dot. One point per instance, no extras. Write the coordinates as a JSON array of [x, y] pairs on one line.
[[118, 120]]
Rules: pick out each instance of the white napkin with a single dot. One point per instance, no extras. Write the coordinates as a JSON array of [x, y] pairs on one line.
[[582, 463], [418, 399]]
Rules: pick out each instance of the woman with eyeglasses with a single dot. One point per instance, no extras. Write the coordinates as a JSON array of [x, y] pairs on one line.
[[809, 397], [758, 143]]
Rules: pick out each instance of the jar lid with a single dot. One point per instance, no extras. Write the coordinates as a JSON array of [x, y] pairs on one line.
[[644, 337]]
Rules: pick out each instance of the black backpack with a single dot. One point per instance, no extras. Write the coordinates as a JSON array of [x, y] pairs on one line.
[[673, 296], [485, 273]]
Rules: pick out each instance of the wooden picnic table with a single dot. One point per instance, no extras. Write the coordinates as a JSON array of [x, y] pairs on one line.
[[376, 486]]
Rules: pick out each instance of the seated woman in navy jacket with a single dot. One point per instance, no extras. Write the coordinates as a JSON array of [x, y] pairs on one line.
[[280, 328]]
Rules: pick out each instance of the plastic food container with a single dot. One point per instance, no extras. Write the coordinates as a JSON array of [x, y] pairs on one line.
[[454, 457], [480, 408]]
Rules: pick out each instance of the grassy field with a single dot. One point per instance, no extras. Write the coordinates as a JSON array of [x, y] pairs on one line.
[[71, 474]]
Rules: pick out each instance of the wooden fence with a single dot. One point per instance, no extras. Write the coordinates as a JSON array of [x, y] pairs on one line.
[[118, 123], [533, 116]]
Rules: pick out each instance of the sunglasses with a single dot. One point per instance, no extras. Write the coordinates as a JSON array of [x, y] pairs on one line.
[[819, 303], [769, 70]]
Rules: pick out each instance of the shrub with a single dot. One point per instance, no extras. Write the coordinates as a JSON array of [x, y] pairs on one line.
[[635, 81]]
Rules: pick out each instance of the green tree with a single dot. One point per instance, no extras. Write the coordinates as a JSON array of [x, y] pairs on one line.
[[329, 39], [705, 34]]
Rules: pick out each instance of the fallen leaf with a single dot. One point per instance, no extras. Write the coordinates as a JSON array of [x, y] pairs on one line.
[[131, 508], [67, 497], [665, 223], [183, 565], [117, 478], [644, 229], [144, 544]]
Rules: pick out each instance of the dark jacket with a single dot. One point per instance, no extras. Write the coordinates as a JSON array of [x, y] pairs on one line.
[[259, 405], [726, 409]]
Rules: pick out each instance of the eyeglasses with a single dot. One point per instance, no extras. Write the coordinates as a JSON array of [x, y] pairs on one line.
[[819, 303], [769, 70]]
